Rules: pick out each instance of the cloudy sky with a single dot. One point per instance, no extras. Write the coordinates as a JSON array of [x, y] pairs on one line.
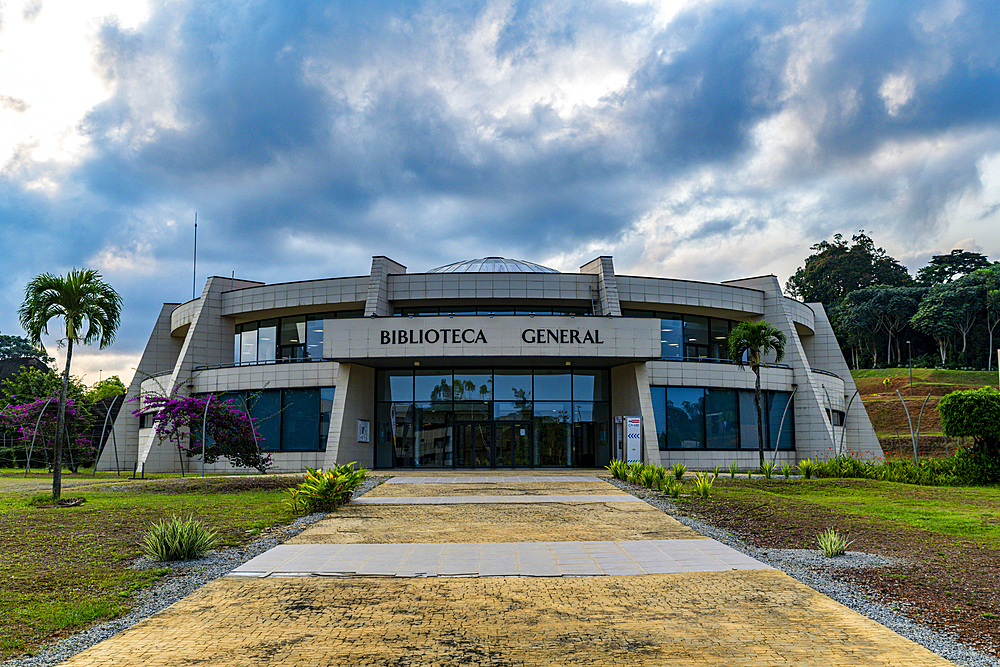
[[700, 140]]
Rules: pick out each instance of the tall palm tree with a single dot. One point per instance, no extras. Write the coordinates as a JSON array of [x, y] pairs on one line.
[[91, 311], [748, 344]]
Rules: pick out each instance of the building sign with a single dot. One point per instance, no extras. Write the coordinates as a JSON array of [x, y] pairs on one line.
[[477, 336], [633, 439]]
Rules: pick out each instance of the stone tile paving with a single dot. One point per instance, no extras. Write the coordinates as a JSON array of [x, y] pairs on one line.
[[752, 618], [493, 479], [530, 559], [541, 522], [467, 500], [592, 487]]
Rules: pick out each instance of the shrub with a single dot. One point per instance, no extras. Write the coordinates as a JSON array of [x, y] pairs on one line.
[[618, 468], [831, 543], [974, 413], [703, 485], [679, 469], [732, 470], [807, 468], [326, 490], [767, 468], [669, 486], [715, 471], [177, 540], [786, 470]]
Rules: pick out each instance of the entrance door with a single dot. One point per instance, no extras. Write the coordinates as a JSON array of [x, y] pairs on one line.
[[474, 444], [513, 445]]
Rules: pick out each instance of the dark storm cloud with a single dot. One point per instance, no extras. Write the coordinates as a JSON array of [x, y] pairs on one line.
[[401, 128]]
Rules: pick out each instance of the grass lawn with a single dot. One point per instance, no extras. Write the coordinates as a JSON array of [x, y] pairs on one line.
[[948, 540], [62, 568]]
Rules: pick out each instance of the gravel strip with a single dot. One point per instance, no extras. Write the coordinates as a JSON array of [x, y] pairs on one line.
[[185, 577], [813, 569]]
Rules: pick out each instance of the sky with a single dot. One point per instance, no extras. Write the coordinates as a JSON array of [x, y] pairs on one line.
[[693, 139]]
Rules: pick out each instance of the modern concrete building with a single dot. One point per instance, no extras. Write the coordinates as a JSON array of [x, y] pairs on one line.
[[497, 363]]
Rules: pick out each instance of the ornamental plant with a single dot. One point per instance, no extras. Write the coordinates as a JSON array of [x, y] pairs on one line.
[[178, 540], [807, 468], [38, 420], [974, 413], [231, 433], [326, 490], [703, 485], [832, 543], [679, 469]]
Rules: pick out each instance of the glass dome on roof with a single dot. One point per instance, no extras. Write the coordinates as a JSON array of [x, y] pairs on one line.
[[493, 265]]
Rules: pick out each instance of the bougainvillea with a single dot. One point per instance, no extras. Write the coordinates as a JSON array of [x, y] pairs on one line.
[[231, 433], [24, 420]]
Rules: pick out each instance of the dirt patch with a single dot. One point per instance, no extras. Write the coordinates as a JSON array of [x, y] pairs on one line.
[[948, 583], [219, 485], [495, 489], [542, 522]]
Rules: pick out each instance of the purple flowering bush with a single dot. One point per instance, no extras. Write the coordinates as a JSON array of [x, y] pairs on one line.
[[23, 420], [231, 433]]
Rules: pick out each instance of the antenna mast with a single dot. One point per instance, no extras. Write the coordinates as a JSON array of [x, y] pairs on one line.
[[194, 270]]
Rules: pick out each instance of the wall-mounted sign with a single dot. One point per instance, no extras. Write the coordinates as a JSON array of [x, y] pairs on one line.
[[364, 430], [633, 439]]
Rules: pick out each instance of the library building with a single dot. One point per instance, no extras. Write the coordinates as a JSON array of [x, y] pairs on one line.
[[500, 364]]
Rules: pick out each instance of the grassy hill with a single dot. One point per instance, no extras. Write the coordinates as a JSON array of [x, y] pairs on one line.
[[877, 389]]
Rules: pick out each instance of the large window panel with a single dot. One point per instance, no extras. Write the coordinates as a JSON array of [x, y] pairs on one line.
[[432, 386], [396, 386], [589, 386], [671, 338], [248, 344], [659, 397], [314, 338], [325, 410], [685, 418], [267, 340], [553, 434], [265, 408], [748, 420], [695, 337], [553, 386], [300, 419], [719, 338], [722, 419], [473, 385], [510, 385], [776, 402], [432, 438]]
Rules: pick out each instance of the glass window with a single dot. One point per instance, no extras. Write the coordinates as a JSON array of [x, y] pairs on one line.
[[265, 408], [432, 437], [776, 402], [512, 385], [695, 337], [719, 341], [671, 337], [433, 386], [748, 420], [314, 338], [589, 386], [659, 396], [248, 350], [685, 418], [396, 386], [237, 344], [293, 330], [325, 410], [267, 340], [300, 419], [506, 410], [472, 411], [553, 386], [473, 385], [721, 419], [553, 434]]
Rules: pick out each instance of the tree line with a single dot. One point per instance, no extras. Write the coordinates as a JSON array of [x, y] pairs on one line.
[[947, 315]]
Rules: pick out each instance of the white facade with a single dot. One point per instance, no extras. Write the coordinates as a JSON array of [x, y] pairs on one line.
[[519, 366]]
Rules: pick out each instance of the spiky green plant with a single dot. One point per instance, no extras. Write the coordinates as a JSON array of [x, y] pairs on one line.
[[715, 471], [326, 490], [786, 470], [703, 485], [832, 543], [807, 468], [177, 540], [679, 469], [733, 469], [768, 469], [618, 468]]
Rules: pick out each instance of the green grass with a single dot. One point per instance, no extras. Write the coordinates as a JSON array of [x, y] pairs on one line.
[[937, 376], [63, 568], [972, 513]]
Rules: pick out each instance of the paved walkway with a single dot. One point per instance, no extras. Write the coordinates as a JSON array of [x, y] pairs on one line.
[[501, 576]]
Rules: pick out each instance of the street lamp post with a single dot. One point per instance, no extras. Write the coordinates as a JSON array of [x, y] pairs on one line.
[[910, 348]]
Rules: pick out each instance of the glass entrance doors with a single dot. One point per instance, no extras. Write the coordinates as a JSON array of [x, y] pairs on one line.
[[493, 444]]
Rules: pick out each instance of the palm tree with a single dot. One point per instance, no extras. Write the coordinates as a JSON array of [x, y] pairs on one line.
[[91, 311], [748, 344]]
